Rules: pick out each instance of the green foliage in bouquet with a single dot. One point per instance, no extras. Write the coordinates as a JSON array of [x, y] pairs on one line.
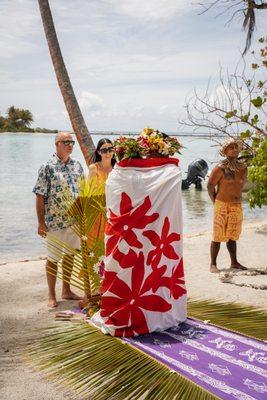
[[127, 148], [150, 142]]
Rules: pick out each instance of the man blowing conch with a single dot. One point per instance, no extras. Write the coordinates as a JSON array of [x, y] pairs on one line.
[[60, 174], [225, 186]]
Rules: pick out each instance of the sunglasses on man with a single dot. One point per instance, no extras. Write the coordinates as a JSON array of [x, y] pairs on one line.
[[106, 150], [67, 142]]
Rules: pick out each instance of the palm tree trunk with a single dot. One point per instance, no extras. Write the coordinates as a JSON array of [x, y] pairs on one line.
[[76, 118]]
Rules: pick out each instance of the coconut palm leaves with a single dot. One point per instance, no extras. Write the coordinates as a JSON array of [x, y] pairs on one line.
[[84, 214], [102, 367], [243, 319]]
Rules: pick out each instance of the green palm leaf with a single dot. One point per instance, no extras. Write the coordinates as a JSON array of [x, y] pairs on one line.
[[83, 214], [240, 318], [102, 367]]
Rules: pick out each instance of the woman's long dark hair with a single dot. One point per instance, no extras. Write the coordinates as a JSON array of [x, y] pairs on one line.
[[97, 156]]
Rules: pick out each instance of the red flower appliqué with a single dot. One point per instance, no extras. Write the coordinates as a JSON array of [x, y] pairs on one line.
[[108, 278], [162, 244], [156, 279], [177, 281], [125, 310], [122, 226]]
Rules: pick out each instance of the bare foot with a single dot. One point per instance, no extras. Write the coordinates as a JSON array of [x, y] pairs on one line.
[[83, 303], [71, 296], [238, 266], [214, 269], [52, 303]]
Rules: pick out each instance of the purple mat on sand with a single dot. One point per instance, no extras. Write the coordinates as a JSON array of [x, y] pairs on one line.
[[225, 363], [229, 365]]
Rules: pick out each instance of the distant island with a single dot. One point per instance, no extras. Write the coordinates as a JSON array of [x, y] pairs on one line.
[[20, 120]]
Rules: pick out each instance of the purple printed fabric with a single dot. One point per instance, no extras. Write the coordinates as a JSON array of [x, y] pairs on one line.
[[229, 365]]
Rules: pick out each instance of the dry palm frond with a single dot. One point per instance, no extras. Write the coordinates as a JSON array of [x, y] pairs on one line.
[[249, 23], [102, 367], [244, 319]]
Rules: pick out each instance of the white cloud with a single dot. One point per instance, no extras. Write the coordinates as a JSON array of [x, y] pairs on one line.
[[132, 63], [91, 103], [152, 10], [19, 23]]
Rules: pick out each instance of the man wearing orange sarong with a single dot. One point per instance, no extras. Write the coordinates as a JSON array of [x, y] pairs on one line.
[[227, 224], [225, 189]]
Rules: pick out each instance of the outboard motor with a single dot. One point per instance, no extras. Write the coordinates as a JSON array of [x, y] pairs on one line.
[[196, 172]]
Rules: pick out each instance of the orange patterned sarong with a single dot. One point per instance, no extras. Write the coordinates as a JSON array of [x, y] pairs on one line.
[[227, 222]]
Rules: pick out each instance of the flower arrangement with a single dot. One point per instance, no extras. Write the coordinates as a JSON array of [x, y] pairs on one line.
[[127, 148], [149, 143]]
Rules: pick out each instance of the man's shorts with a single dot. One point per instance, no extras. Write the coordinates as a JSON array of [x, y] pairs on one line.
[[61, 242], [227, 223]]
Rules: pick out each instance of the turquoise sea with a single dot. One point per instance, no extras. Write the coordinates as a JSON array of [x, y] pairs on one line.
[[22, 155]]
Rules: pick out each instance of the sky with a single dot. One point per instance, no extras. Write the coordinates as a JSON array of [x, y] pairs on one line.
[[132, 63]]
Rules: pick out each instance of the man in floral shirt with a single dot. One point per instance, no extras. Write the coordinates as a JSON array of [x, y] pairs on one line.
[[57, 179]]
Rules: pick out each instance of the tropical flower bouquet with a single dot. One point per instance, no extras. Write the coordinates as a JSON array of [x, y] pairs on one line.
[[149, 143], [127, 148], [155, 142]]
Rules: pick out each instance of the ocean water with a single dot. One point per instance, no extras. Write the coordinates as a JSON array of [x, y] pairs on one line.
[[22, 155]]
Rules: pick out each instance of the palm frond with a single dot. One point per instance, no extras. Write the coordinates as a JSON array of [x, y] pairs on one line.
[[85, 213], [249, 24], [244, 319], [103, 367]]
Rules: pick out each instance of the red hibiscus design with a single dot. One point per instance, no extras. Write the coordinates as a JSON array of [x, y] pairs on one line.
[[162, 244], [177, 281], [156, 279], [125, 260], [109, 277], [122, 226], [125, 310]]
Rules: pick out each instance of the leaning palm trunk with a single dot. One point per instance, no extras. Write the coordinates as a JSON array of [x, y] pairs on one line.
[[76, 118]]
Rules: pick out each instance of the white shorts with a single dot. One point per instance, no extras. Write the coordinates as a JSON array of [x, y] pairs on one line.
[[60, 242]]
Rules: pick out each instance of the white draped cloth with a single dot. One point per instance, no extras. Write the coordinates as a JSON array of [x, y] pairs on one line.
[[143, 287]]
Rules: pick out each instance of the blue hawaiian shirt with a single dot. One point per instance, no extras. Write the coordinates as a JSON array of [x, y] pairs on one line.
[[56, 181]]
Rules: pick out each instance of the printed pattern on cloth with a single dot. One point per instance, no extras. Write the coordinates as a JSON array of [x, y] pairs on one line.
[[227, 223], [229, 365], [57, 179], [143, 288]]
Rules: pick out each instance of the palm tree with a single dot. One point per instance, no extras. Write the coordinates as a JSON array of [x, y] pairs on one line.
[[13, 118], [26, 117], [72, 106], [2, 122]]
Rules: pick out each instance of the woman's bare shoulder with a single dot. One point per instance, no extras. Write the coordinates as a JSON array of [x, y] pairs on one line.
[[92, 167], [92, 170]]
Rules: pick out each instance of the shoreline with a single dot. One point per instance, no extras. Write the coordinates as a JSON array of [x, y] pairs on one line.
[[246, 226], [111, 133]]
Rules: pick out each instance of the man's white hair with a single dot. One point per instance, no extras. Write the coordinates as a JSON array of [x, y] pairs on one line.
[[59, 134]]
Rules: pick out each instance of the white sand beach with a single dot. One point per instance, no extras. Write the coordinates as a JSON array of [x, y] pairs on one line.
[[23, 303]]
